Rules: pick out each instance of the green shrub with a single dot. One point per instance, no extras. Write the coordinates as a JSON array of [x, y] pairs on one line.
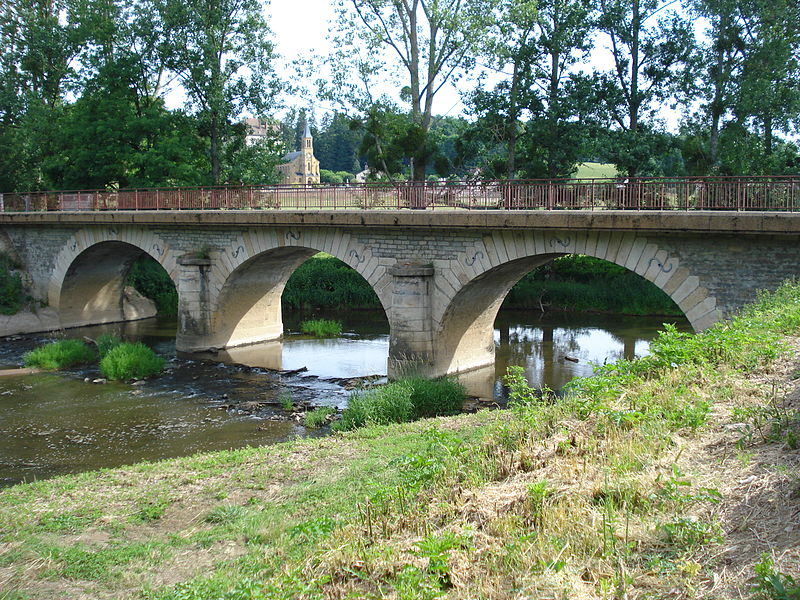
[[59, 355], [321, 327], [130, 361], [106, 342], [314, 419]]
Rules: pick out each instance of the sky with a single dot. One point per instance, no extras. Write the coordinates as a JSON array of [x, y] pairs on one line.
[[297, 35]]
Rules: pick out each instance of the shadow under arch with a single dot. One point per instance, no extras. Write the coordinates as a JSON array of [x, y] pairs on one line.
[[93, 288], [466, 331], [248, 308]]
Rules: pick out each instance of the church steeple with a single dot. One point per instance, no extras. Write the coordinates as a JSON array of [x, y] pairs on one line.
[[307, 139]]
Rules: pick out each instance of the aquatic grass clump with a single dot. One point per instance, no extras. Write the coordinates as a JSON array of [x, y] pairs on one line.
[[402, 401], [130, 361], [106, 342], [59, 355], [321, 327], [314, 419]]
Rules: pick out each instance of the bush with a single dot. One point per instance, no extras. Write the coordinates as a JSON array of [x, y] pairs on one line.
[[106, 342], [130, 361], [401, 401], [314, 419], [321, 327], [59, 355]]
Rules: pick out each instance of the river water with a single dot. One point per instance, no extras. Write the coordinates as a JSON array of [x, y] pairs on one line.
[[55, 423]]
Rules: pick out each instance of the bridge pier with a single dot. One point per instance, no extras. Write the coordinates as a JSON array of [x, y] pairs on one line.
[[411, 344], [194, 314]]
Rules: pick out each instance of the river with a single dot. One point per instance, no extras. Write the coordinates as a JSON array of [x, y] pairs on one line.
[[55, 423]]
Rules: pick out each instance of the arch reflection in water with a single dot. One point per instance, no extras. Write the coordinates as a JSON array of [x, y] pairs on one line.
[[552, 347]]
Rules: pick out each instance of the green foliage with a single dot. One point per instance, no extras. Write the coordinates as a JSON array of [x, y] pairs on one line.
[[314, 419], [152, 281], [519, 391], [130, 361], [584, 283], [321, 327], [327, 282], [12, 295], [774, 585], [401, 401], [685, 533], [286, 401], [59, 355], [106, 342]]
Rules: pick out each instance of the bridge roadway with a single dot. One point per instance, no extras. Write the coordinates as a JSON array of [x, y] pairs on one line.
[[441, 276]]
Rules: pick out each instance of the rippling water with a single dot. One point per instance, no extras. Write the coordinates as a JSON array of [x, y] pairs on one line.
[[54, 423]]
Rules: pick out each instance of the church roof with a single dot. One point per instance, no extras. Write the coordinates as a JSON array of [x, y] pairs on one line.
[[307, 132], [290, 156]]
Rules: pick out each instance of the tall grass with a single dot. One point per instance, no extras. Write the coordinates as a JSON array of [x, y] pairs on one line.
[[59, 355], [401, 401], [321, 327], [130, 361]]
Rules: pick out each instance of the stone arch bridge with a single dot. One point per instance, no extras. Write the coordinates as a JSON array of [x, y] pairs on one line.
[[440, 276]]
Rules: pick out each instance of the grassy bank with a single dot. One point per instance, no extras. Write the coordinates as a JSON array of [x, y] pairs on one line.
[[673, 476]]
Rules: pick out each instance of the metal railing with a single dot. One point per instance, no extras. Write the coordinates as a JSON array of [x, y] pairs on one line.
[[769, 193]]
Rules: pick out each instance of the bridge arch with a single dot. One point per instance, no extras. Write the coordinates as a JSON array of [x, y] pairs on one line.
[[464, 318], [250, 277], [87, 286]]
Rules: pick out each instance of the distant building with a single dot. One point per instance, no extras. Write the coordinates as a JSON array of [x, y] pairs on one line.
[[261, 130], [301, 166]]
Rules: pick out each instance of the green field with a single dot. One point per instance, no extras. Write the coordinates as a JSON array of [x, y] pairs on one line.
[[593, 170]]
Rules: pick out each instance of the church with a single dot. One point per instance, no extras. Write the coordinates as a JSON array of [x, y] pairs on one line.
[[301, 166]]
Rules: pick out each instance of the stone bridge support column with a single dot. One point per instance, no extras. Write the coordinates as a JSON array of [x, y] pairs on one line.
[[194, 313], [411, 342]]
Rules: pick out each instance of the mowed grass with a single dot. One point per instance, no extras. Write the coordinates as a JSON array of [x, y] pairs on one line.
[[626, 487], [593, 170]]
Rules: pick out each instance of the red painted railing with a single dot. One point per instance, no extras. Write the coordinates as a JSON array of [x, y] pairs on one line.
[[686, 193]]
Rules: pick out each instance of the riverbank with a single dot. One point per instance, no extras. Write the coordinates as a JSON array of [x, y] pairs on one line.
[[671, 476]]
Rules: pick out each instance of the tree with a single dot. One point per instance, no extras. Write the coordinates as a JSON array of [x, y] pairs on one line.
[[537, 44], [221, 52], [769, 90], [432, 41], [652, 61]]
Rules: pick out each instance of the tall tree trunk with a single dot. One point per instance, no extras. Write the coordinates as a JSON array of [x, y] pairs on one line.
[[634, 99]]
